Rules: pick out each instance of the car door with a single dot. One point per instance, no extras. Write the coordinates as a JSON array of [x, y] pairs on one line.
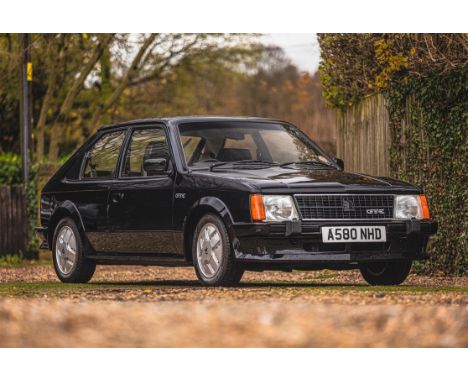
[[89, 191], [141, 200]]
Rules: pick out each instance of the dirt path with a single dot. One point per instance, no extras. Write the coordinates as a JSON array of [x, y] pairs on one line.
[[150, 306]]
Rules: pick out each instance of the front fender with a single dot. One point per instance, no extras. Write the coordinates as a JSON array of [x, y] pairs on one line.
[[214, 204], [202, 206]]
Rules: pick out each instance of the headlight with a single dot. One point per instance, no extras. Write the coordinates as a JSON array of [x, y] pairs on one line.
[[411, 207], [273, 208]]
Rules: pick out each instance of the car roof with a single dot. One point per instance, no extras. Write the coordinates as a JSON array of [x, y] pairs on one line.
[[189, 118]]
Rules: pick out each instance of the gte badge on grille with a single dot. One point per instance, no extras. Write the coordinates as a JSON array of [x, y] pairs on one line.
[[375, 211]]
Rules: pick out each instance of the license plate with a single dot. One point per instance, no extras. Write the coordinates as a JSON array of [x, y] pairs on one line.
[[357, 234]]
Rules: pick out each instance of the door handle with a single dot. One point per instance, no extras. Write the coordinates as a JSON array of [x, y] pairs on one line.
[[117, 197]]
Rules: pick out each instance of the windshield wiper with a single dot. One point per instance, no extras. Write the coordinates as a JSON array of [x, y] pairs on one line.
[[306, 163], [244, 162], [206, 162]]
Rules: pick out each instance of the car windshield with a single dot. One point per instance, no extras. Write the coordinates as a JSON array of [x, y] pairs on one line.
[[237, 142]]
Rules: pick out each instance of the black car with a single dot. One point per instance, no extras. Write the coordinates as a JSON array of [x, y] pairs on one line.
[[226, 195]]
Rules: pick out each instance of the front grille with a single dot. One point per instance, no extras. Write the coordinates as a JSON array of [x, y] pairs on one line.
[[368, 207]]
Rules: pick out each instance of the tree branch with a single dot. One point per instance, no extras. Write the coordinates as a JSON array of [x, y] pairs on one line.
[[77, 85], [80, 79], [132, 70]]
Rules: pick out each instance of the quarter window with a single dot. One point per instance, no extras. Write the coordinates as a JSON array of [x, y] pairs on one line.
[[101, 160], [145, 144]]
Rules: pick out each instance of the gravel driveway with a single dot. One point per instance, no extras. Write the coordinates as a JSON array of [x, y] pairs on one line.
[[151, 306]]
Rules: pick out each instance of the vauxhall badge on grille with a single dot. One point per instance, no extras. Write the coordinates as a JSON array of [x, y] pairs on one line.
[[348, 206]]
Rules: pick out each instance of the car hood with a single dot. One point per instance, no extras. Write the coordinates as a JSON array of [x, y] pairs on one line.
[[278, 179]]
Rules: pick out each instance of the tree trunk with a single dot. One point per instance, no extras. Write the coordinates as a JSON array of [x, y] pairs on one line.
[[46, 103], [54, 142], [106, 85]]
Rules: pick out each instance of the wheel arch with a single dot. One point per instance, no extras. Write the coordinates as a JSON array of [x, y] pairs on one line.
[[208, 204], [65, 209]]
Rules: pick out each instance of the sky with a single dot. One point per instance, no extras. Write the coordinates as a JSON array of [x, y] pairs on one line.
[[302, 48]]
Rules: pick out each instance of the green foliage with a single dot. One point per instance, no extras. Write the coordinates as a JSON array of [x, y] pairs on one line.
[[10, 168], [355, 65], [432, 151]]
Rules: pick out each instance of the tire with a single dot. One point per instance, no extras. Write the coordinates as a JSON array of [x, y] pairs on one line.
[[226, 272], [68, 267], [386, 273]]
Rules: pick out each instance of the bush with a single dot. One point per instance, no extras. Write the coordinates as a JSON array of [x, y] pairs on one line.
[[10, 169]]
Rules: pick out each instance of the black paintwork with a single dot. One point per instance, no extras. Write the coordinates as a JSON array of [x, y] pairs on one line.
[[140, 220]]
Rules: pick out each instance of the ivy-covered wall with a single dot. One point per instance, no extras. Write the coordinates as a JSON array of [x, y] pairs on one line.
[[431, 151], [424, 79]]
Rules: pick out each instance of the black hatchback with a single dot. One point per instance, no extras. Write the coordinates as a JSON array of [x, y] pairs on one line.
[[226, 195]]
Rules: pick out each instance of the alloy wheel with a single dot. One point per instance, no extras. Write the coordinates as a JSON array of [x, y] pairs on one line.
[[65, 250], [209, 250]]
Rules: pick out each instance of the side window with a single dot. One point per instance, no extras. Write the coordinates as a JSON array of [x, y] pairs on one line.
[[101, 160], [145, 145]]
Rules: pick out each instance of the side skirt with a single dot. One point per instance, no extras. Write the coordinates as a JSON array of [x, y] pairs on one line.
[[166, 260]]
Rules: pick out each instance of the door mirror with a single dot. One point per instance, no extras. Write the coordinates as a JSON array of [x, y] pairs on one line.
[[156, 166], [340, 163]]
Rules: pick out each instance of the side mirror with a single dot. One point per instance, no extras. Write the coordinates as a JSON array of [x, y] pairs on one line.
[[340, 163], [156, 166]]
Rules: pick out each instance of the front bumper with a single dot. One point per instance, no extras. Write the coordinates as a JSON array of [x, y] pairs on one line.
[[300, 243]]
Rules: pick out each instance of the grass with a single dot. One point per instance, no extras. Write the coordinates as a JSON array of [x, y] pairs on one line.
[[26, 289], [370, 288], [56, 288], [12, 261], [315, 283]]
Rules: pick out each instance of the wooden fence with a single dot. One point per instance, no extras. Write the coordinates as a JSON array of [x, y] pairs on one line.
[[13, 221], [363, 137]]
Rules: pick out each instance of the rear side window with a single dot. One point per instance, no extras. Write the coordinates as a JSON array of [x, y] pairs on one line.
[[145, 144], [101, 160]]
